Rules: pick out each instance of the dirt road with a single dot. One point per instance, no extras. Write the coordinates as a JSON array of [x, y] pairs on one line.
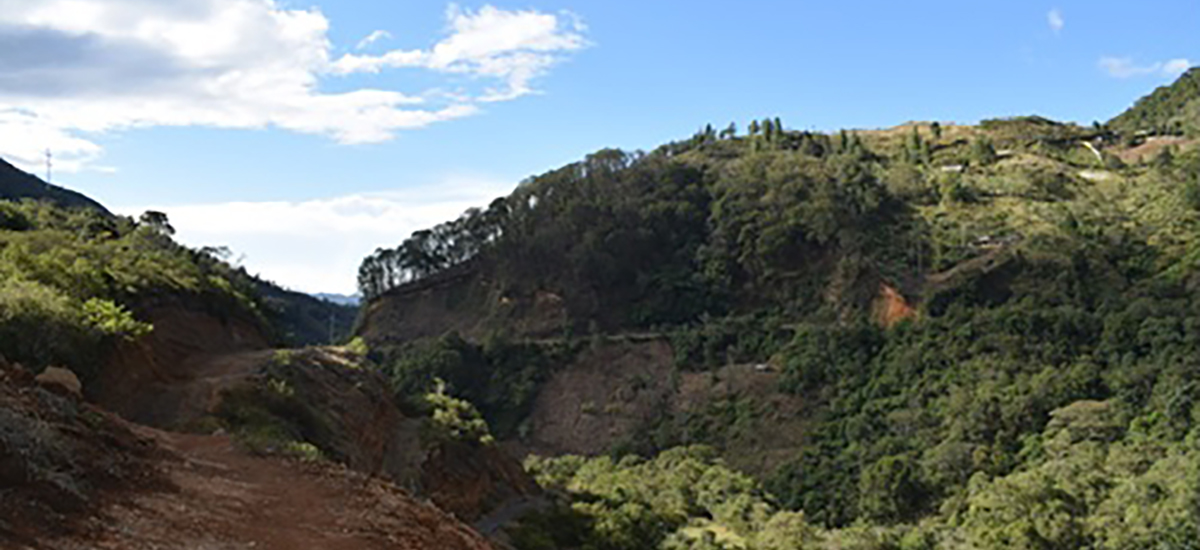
[[228, 499]]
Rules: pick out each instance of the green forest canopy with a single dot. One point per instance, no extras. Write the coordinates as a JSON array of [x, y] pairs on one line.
[[1043, 397]]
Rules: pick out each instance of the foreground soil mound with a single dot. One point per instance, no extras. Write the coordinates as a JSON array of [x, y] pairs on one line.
[[227, 498], [330, 399], [74, 477], [62, 459]]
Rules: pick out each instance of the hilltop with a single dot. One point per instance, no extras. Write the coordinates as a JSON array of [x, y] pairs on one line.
[[1173, 109], [16, 184]]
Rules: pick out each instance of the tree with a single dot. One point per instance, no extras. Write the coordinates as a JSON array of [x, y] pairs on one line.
[[157, 221], [936, 128], [730, 131], [983, 153], [890, 490]]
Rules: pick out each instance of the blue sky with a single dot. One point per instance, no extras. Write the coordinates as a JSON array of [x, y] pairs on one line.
[[464, 100]]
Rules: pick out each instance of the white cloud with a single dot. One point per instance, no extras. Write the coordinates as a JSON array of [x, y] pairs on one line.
[[1125, 67], [317, 245], [511, 46], [1056, 21], [72, 70], [1176, 67], [373, 38]]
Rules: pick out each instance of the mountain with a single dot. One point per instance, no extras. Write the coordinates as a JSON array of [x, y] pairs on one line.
[[16, 184], [341, 299], [928, 336], [1173, 109], [302, 320]]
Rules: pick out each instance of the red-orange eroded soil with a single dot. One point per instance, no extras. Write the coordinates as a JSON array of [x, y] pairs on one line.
[[228, 499]]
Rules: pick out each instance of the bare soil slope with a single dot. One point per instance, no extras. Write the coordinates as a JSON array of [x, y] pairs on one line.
[[74, 477], [227, 499], [620, 392]]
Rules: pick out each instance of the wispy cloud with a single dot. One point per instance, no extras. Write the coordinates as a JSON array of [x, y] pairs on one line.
[[372, 38], [317, 245], [1125, 67], [72, 70], [1176, 67], [1056, 21], [511, 46]]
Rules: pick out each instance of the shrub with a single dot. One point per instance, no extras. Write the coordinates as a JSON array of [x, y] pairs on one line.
[[40, 326], [358, 346], [455, 419]]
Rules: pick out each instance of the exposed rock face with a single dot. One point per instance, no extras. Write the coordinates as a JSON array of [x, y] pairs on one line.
[[602, 397], [621, 394], [890, 307], [61, 378]]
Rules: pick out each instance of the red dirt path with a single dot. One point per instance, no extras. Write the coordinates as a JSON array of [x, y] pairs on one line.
[[228, 499]]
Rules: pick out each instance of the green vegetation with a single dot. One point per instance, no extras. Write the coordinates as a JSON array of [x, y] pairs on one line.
[[270, 418], [1173, 109], [452, 419], [995, 329], [683, 499], [499, 377], [73, 280]]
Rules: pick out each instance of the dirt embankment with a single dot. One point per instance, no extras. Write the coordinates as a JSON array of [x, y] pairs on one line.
[[62, 459], [466, 302], [74, 476], [329, 398], [196, 370], [142, 380], [345, 408], [225, 498], [630, 394]]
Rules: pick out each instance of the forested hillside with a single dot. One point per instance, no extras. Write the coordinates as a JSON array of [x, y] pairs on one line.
[[1170, 109], [994, 329], [72, 280], [295, 319]]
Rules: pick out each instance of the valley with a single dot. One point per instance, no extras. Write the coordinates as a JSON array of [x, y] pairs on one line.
[[933, 336]]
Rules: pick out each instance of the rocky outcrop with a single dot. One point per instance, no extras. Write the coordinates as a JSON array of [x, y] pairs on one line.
[[61, 378]]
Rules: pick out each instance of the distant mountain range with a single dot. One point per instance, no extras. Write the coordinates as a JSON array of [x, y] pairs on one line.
[[340, 299]]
